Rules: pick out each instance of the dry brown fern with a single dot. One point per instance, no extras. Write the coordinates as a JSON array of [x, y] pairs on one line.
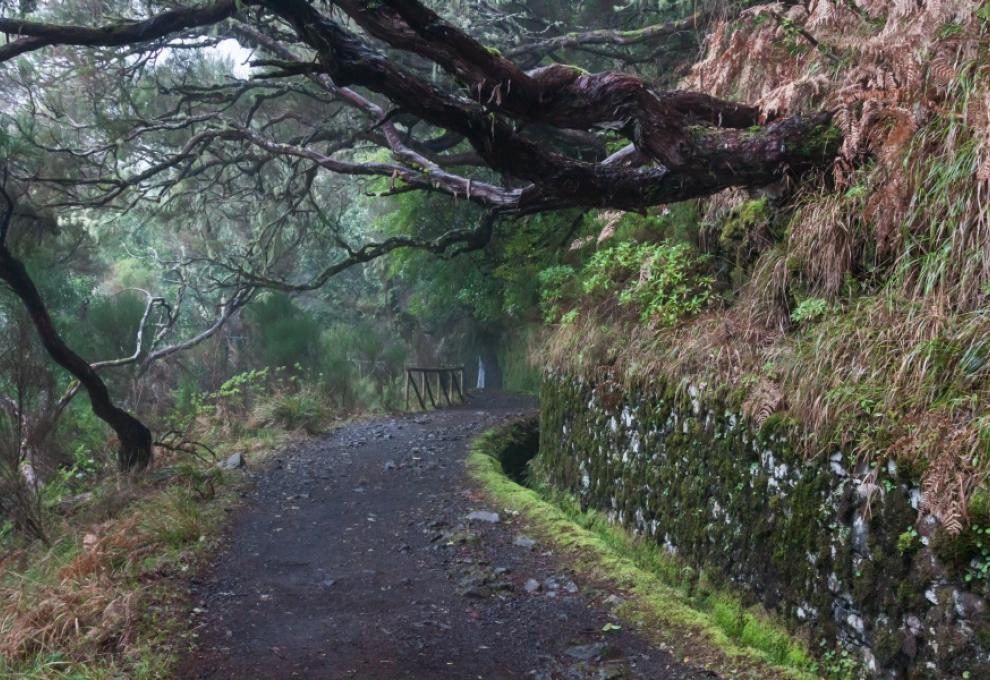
[[611, 219], [765, 399], [950, 476], [86, 612]]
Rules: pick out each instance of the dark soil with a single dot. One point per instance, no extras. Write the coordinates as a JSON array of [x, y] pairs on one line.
[[353, 557]]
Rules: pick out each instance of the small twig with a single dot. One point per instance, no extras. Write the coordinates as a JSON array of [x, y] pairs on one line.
[[788, 25], [185, 445]]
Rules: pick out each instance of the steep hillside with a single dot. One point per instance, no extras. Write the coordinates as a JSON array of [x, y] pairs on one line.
[[789, 386], [859, 307]]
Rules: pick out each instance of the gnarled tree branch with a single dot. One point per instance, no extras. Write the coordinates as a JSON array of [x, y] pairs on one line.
[[135, 438], [34, 35], [584, 39]]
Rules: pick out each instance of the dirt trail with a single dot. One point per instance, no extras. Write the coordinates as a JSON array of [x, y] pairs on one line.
[[353, 557]]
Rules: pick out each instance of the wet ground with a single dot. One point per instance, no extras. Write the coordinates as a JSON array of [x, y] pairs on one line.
[[370, 554]]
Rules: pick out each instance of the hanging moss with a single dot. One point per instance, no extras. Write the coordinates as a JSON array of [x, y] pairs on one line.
[[743, 219]]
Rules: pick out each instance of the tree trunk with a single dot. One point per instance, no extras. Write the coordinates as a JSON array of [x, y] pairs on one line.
[[135, 438]]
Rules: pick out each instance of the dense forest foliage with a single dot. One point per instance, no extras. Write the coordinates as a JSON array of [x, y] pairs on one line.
[[178, 210]]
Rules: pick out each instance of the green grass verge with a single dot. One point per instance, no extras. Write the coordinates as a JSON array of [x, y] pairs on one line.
[[705, 625]]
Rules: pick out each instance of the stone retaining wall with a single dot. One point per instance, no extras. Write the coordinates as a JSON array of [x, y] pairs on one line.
[[836, 548]]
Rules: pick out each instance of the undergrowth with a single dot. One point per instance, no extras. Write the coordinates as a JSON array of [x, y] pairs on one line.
[[93, 605], [659, 283], [105, 598]]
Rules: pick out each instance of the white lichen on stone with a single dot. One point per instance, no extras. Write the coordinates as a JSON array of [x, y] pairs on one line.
[[668, 545], [916, 497], [634, 443], [627, 416], [585, 477], [855, 621], [695, 402]]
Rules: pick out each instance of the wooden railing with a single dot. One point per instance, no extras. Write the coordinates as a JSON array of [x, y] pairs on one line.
[[448, 381]]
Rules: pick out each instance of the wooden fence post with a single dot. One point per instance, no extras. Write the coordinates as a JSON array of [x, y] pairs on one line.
[[429, 389], [412, 383], [449, 379]]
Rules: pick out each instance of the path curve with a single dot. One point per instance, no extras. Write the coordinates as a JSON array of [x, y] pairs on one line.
[[353, 557]]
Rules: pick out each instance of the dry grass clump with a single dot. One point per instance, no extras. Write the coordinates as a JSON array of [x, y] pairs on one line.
[[82, 620], [82, 612], [84, 602], [910, 87]]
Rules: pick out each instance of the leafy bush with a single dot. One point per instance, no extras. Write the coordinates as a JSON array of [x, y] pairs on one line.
[[664, 281], [555, 283], [228, 407], [811, 309], [238, 392]]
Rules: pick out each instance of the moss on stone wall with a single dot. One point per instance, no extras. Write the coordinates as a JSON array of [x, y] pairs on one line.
[[816, 540]]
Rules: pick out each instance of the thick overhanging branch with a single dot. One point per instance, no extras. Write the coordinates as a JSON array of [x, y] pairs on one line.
[[558, 95], [34, 35], [732, 158], [699, 160], [689, 144]]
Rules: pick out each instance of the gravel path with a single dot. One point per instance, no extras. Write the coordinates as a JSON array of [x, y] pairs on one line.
[[357, 555]]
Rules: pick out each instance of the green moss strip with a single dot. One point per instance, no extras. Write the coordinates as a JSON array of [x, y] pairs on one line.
[[703, 625]]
